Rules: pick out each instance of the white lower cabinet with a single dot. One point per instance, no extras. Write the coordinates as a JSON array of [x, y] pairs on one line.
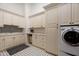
[[9, 41], [2, 41], [39, 40], [34, 37], [19, 39]]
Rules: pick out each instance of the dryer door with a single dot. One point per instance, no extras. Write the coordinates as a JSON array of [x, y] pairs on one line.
[[71, 37]]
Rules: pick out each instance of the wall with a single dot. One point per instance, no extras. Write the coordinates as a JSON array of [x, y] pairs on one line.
[[17, 8], [27, 13]]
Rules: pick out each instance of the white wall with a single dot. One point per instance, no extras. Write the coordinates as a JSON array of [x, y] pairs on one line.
[[27, 13], [37, 7], [17, 8]]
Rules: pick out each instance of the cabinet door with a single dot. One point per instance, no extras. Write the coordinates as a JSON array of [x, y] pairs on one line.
[[52, 16], [75, 13], [2, 42], [1, 18], [38, 20], [9, 42], [22, 22], [34, 39], [16, 40], [35, 22], [19, 39], [64, 14], [31, 22], [7, 18], [43, 20], [52, 40], [39, 41], [44, 41], [14, 19]]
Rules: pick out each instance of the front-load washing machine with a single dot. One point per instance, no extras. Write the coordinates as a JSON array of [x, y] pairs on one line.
[[69, 41]]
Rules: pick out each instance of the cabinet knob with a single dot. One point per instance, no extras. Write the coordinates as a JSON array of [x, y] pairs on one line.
[[70, 23]]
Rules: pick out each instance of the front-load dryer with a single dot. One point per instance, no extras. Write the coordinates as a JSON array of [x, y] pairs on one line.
[[69, 41]]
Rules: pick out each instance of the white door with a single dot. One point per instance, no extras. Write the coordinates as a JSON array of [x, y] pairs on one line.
[[64, 14], [1, 18], [2, 43], [75, 13], [52, 40]]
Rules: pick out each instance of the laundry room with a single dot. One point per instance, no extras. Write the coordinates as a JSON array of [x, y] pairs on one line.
[[39, 29]]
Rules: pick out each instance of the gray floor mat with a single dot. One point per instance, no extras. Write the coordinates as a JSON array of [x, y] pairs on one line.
[[16, 49]]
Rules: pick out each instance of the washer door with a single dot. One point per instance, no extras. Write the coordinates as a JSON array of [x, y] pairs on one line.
[[71, 37]]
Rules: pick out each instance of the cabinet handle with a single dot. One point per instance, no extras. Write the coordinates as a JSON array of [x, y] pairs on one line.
[[72, 22]]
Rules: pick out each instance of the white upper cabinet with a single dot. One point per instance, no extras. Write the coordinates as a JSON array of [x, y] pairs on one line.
[[14, 19], [7, 18], [1, 18], [64, 14], [38, 20], [21, 22], [52, 16], [75, 13]]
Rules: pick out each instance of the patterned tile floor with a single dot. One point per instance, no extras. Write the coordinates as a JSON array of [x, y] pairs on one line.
[[30, 51]]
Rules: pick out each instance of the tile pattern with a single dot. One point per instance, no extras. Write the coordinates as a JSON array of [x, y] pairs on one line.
[[30, 51], [4, 53]]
